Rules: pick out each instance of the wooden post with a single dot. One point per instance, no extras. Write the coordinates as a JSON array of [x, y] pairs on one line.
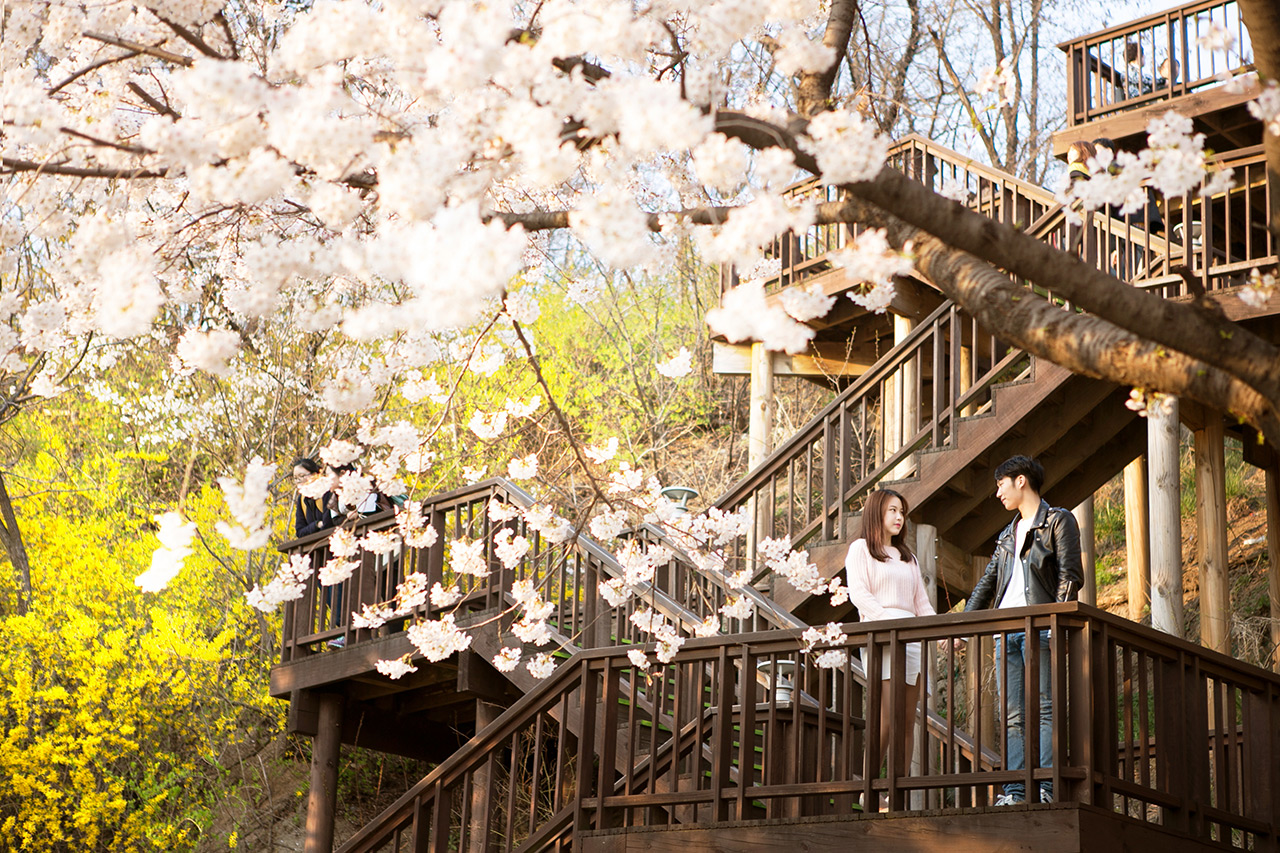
[[322, 799], [966, 378], [759, 443], [760, 424], [1166, 521], [1088, 551], [982, 662], [903, 412], [1137, 542], [481, 793], [1211, 525], [1273, 554], [927, 555]]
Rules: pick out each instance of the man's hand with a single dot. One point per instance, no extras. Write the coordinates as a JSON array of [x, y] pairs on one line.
[[957, 643]]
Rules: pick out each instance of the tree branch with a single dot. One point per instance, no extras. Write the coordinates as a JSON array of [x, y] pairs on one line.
[[560, 415], [162, 109], [974, 119], [11, 164], [93, 66], [814, 92], [1084, 344], [106, 143], [1213, 339], [157, 52], [188, 36]]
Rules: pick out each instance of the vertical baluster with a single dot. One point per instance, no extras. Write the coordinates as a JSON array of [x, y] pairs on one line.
[[722, 734]]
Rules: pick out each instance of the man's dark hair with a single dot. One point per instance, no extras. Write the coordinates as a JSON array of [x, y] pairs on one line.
[[1025, 465], [307, 464], [1105, 142]]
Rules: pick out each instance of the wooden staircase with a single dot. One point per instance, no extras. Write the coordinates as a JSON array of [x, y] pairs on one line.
[[937, 413]]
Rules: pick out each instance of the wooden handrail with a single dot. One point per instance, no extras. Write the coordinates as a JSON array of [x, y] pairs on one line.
[[1144, 724], [1152, 59], [325, 612]]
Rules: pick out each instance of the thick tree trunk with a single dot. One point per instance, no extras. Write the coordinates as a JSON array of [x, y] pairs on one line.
[[15, 549]]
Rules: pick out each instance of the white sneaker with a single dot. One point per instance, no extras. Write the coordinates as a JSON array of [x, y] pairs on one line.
[[1046, 796], [1008, 800]]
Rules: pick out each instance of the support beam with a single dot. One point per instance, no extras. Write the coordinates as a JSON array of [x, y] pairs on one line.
[[760, 425], [1088, 551], [1166, 521], [1137, 541], [322, 799], [902, 406], [759, 446], [823, 360], [1211, 527], [927, 556], [482, 793], [1273, 555]]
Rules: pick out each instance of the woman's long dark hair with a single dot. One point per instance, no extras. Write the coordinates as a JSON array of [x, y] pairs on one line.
[[873, 526]]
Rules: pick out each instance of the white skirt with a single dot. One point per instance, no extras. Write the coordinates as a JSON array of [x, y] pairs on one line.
[[886, 661]]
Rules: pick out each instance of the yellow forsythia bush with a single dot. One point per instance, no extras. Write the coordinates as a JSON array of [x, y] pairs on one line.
[[120, 711]]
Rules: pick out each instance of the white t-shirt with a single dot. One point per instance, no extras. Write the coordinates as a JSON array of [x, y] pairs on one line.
[[1015, 594]]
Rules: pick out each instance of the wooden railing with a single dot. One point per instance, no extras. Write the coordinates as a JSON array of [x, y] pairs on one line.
[[1144, 725], [946, 366], [568, 575], [989, 191], [1152, 59]]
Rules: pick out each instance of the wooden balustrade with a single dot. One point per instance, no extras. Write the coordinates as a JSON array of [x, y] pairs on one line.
[[567, 574], [750, 728], [1153, 59], [989, 191], [804, 489]]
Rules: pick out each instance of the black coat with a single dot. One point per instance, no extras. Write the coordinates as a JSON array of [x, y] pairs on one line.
[[1050, 561], [310, 516]]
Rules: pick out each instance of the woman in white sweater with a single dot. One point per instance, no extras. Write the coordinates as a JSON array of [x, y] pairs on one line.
[[885, 583]]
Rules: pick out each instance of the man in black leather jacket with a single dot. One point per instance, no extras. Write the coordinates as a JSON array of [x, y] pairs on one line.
[[1037, 561]]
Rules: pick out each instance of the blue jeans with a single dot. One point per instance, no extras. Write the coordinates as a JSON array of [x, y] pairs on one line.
[[1012, 668]]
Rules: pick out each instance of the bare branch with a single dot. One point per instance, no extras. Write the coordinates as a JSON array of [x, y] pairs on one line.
[[93, 66], [106, 143], [560, 415], [974, 119], [157, 52], [11, 164], [188, 36], [162, 109]]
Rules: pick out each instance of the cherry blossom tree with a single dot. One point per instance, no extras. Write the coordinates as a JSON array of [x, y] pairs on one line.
[[380, 174]]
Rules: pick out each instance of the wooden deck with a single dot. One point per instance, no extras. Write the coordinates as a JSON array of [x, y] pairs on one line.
[[1153, 732], [1041, 828], [1120, 78]]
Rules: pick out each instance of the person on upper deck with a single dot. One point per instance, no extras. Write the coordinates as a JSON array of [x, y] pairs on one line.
[[310, 515]]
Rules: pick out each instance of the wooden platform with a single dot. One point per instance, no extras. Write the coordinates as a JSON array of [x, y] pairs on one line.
[[1053, 828]]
